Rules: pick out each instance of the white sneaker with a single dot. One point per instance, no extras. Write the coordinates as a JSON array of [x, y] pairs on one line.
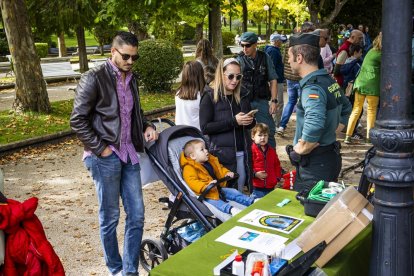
[[118, 274], [280, 131], [234, 211], [256, 200]]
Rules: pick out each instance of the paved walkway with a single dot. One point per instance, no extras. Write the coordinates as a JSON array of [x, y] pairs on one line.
[[57, 92]]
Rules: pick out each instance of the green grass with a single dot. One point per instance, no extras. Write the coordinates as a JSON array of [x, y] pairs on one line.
[[16, 127], [73, 42]]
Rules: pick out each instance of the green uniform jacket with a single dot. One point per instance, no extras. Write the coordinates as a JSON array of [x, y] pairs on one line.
[[321, 107]]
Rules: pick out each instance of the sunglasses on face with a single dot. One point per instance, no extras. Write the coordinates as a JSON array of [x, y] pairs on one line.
[[248, 45], [231, 76], [127, 57]]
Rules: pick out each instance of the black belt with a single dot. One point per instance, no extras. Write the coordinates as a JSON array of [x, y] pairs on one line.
[[302, 160]]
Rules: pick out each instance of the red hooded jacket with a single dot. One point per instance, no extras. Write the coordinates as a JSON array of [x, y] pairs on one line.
[[28, 251], [267, 161]]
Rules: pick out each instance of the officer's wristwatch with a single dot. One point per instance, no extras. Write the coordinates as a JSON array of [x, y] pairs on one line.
[[274, 101]]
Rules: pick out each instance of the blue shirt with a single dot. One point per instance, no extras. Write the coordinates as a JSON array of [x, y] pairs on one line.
[[276, 56]]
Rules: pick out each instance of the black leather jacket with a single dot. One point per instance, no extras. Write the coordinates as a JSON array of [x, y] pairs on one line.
[[95, 117]]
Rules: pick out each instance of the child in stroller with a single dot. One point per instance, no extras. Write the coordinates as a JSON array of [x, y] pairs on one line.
[[187, 210], [201, 169]]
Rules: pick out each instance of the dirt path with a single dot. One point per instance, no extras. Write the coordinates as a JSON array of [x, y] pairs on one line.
[[68, 206]]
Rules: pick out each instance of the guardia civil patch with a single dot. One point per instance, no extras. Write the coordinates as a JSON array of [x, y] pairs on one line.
[[313, 96]]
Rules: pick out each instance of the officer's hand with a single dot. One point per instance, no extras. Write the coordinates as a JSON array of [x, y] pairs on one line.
[[303, 147], [150, 134]]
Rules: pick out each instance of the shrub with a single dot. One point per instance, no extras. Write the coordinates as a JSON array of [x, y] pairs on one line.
[[41, 49], [187, 32], [228, 40], [159, 64]]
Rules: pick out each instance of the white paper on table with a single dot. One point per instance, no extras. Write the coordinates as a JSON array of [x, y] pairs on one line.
[[291, 250], [251, 239], [268, 220], [229, 259]]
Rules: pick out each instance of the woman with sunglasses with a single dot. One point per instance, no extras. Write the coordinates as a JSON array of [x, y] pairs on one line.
[[187, 98], [224, 119]]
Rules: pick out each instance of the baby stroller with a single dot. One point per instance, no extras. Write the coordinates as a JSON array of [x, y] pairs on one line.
[[186, 208]]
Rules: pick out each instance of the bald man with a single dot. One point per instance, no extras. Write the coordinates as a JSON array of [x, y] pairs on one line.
[[355, 38]]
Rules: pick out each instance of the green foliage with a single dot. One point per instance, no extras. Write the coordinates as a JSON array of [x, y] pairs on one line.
[[159, 65], [104, 32], [228, 40], [4, 46], [41, 49], [187, 32]]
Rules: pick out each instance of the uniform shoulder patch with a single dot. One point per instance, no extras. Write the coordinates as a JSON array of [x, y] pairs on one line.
[[313, 96]]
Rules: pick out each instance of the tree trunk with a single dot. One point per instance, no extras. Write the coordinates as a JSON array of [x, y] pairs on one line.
[[216, 30], [83, 58], [101, 48], [245, 14], [62, 45], [199, 31], [31, 93], [139, 29]]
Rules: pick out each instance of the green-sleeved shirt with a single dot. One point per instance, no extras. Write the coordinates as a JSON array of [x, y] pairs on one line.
[[319, 111]]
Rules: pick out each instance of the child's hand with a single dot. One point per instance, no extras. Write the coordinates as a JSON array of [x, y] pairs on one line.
[[261, 175], [230, 174]]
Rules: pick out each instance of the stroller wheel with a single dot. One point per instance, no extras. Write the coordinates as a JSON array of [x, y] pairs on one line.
[[152, 253]]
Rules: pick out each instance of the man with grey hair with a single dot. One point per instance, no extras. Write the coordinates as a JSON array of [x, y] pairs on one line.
[[356, 37], [108, 120]]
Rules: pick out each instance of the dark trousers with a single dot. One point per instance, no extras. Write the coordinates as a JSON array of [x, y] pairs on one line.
[[320, 164]]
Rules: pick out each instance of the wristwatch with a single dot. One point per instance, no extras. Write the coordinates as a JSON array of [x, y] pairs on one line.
[[274, 101]]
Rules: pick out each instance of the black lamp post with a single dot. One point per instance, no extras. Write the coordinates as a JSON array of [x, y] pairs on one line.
[[392, 168]]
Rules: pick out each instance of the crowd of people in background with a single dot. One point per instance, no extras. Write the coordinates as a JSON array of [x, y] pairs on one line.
[[256, 79]]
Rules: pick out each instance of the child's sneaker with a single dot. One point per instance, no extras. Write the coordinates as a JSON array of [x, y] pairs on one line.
[[234, 211]]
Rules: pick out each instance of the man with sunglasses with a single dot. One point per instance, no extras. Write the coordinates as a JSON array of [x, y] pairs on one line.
[[259, 82], [321, 109], [108, 119]]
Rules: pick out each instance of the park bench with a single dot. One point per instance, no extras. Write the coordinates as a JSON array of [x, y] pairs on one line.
[[58, 70], [98, 61], [5, 67], [235, 49], [89, 50]]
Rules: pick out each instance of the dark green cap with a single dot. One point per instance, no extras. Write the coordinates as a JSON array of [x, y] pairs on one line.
[[311, 39], [249, 37]]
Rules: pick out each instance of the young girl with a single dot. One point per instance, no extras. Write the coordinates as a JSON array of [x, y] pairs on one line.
[[266, 165], [204, 55], [187, 98]]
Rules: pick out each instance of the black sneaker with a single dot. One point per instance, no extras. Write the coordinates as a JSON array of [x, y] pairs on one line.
[[357, 136]]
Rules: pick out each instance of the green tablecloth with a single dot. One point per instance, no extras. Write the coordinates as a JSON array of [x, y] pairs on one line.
[[203, 255]]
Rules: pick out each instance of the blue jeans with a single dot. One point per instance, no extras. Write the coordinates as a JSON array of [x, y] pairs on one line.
[[259, 193], [233, 195], [293, 90], [112, 179], [263, 116]]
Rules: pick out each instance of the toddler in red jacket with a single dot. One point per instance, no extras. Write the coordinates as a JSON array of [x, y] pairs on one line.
[[266, 165]]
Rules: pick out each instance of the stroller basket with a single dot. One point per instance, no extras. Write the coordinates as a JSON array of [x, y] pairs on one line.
[[184, 235]]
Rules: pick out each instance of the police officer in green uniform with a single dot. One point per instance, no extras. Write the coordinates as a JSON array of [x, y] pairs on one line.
[[322, 110], [259, 82]]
